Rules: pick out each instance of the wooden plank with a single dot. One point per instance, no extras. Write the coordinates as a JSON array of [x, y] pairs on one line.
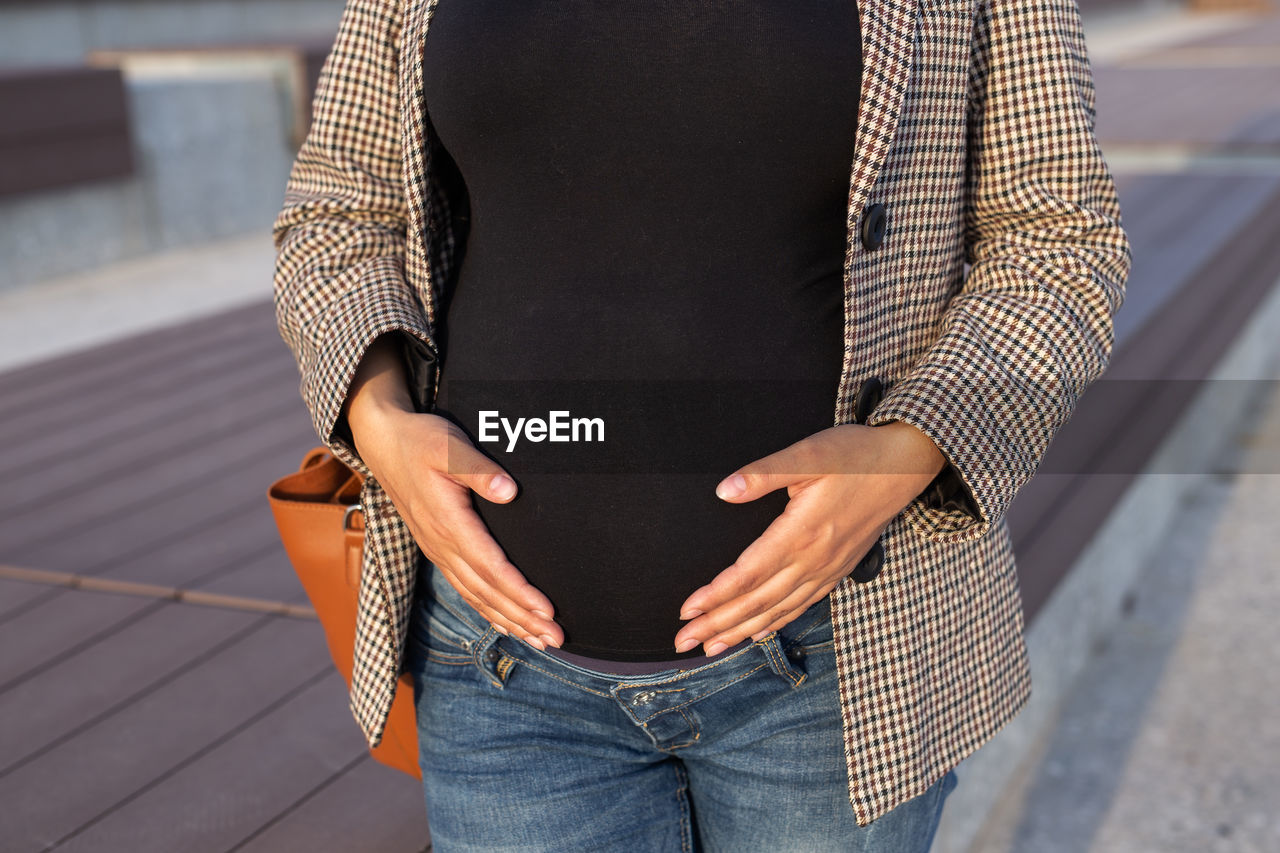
[[238, 554], [110, 399], [195, 482], [174, 519], [1156, 215], [38, 637], [143, 745], [18, 595], [1119, 424], [369, 807], [267, 575], [228, 556], [196, 559], [82, 686], [168, 517], [211, 803], [58, 466], [1157, 210], [119, 586], [78, 372]]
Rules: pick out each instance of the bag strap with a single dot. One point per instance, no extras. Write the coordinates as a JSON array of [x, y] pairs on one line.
[[314, 456], [353, 541]]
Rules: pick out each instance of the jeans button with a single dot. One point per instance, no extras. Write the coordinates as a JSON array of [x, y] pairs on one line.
[[491, 655], [644, 697]]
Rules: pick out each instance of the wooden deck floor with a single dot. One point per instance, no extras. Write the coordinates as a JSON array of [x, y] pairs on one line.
[[132, 722], [138, 723]]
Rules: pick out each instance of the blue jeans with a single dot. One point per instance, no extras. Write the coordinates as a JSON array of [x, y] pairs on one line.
[[522, 751]]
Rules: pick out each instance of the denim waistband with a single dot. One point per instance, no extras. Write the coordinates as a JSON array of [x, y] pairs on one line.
[[639, 667], [491, 650]]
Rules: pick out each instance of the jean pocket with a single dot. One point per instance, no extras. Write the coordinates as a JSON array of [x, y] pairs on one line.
[[441, 630], [812, 631]]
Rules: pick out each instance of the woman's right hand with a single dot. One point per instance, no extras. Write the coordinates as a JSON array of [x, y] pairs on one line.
[[428, 468]]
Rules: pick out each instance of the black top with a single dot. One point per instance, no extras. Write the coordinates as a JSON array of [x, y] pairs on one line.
[[658, 195]]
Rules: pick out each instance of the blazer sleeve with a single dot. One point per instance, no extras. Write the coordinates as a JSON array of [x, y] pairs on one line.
[[1032, 324], [339, 279]]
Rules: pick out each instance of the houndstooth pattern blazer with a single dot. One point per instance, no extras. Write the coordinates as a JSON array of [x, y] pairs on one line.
[[987, 309]]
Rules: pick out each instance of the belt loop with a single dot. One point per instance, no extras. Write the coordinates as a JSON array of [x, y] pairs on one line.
[[489, 659], [779, 662]]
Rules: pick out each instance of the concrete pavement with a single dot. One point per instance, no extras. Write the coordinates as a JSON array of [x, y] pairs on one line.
[[1168, 741], [72, 312]]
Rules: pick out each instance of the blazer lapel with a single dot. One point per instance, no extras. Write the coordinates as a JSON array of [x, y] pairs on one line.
[[417, 166], [888, 44], [889, 30]]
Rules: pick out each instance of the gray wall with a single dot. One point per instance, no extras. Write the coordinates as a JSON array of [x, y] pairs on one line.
[[211, 142], [57, 31], [212, 158]]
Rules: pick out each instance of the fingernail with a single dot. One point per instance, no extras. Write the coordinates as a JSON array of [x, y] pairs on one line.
[[686, 645], [535, 642], [549, 640], [542, 614], [732, 487], [502, 487], [501, 630], [715, 649], [690, 613]]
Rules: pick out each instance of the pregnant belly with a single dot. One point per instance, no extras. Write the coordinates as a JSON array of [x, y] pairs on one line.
[[618, 553], [621, 525]]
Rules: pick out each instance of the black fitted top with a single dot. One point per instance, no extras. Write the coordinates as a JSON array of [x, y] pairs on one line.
[[658, 195]]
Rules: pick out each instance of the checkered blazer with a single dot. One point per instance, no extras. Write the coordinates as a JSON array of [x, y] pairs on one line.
[[987, 310]]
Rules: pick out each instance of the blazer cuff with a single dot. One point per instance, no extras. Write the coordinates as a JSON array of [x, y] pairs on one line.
[[958, 505], [355, 321]]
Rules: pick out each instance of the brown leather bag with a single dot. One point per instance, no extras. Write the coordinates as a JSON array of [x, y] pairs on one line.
[[318, 513]]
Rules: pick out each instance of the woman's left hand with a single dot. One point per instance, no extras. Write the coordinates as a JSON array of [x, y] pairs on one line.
[[845, 484]]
